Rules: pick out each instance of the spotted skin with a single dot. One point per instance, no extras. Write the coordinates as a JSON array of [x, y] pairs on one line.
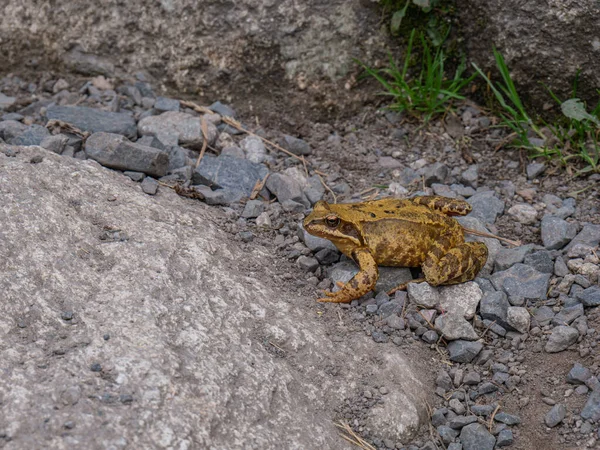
[[417, 232]]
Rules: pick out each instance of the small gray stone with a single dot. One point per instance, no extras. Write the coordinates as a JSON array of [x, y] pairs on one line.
[[487, 388], [135, 176], [464, 351], [589, 235], [578, 374], [523, 213], [408, 176], [568, 314], [327, 256], [556, 232], [555, 415], [543, 315], [285, 187], [507, 257], [163, 104], [216, 197], [151, 141], [254, 149], [518, 319], [483, 410], [390, 307], [453, 326], [505, 438], [456, 406], [238, 176], [494, 327], [94, 120], [591, 410], [371, 309], [561, 338], [438, 417], [435, 173], [296, 146], [447, 434], [455, 446], [508, 419], [460, 299], [33, 135], [522, 281], [308, 263], [469, 176], [494, 307], [10, 129], [395, 322], [560, 268], [582, 390], [534, 170], [177, 157], [472, 378], [423, 294], [115, 151], [444, 380], [476, 437], [431, 337], [222, 109], [590, 296], [253, 209], [486, 206], [149, 186], [541, 261], [379, 337], [56, 143], [177, 128], [459, 422], [6, 101], [293, 207]]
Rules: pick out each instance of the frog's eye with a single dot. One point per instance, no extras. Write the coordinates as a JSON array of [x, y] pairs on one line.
[[332, 221]]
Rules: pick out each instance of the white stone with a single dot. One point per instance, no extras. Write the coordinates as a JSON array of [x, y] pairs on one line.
[[524, 213], [461, 299], [519, 318]]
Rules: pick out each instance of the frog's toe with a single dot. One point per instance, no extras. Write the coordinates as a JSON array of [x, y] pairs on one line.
[[329, 293]]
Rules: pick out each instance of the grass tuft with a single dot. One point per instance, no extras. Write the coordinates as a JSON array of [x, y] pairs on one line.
[[426, 91], [572, 139]]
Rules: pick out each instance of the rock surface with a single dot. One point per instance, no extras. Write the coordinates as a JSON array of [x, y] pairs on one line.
[[501, 23], [289, 44], [161, 327]]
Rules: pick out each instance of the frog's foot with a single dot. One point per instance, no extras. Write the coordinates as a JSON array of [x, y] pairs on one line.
[[361, 283], [403, 286], [459, 264], [445, 205]]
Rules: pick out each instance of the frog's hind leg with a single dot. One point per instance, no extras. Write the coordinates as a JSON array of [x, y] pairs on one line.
[[445, 205], [457, 265]]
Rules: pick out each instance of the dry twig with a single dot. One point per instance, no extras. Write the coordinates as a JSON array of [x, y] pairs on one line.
[[493, 236], [352, 437]]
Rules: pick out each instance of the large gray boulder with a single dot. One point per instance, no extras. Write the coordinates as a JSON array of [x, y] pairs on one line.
[[134, 321], [541, 42], [212, 48]]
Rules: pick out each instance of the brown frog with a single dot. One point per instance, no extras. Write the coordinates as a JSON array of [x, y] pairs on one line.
[[416, 232]]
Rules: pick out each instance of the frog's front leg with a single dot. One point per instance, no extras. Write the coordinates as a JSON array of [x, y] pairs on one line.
[[361, 283]]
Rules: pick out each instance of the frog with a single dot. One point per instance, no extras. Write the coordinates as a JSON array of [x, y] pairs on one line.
[[415, 232]]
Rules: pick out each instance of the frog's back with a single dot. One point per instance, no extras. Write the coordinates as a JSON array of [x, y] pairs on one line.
[[400, 233]]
